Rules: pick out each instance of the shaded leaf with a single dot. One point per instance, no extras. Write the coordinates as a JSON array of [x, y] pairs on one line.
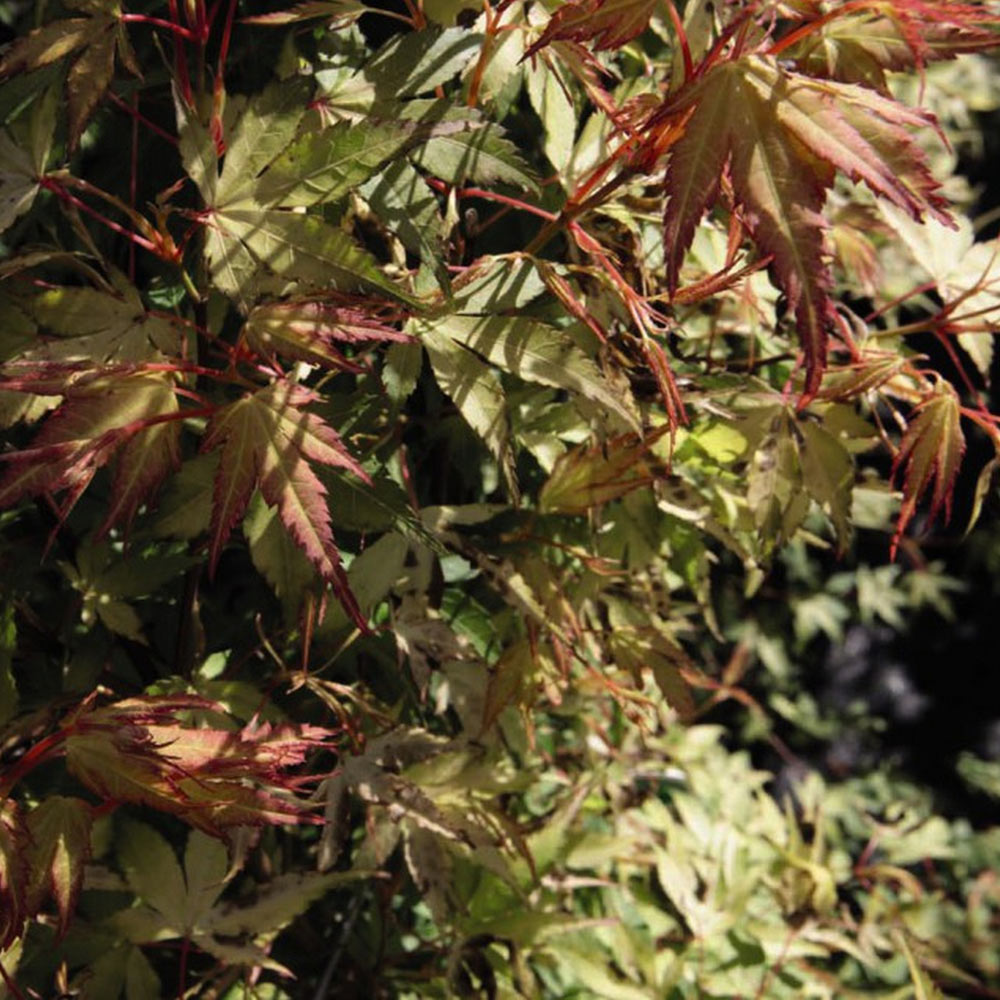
[[276, 556], [243, 238], [18, 181], [265, 128], [278, 903], [59, 829], [534, 352], [326, 165], [586, 477], [97, 326], [416, 62], [94, 39], [307, 330], [828, 476], [403, 200], [483, 156], [8, 643], [475, 389], [14, 872], [97, 418]]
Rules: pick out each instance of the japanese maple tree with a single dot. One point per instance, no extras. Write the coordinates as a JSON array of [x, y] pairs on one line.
[[383, 413]]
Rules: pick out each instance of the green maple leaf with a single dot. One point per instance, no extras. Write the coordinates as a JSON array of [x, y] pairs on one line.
[[184, 902], [254, 226], [18, 180], [93, 41], [97, 325], [267, 440], [59, 829], [23, 158], [782, 136]]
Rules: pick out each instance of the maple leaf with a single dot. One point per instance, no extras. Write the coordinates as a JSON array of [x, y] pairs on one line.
[[253, 226], [586, 477], [13, 872], [93, 41], [267, 440], [59, 832], [18, 180], [306, 330], [102, 411], [609, 24], [931, 452], [783, 136], [860, 43], [90, 324], [137, 750]]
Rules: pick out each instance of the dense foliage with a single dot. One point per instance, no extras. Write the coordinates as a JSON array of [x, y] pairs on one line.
[[445, 444]]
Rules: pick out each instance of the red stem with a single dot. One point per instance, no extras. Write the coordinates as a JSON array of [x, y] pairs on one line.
[[44, 750], [807, 29], [471, 192], [60, 192], [942, 338], [159, 22], [219, 88], [678, 24], [152, 126], [180, 58], [133, 180], [182, 971]]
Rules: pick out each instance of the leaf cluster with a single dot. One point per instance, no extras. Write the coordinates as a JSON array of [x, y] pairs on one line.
[[406, 440]]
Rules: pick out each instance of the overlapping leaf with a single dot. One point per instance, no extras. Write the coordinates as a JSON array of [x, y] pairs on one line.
[[59, 831], [253, 226], [536, 353], [102, 412], [18, 180], [307, 330], [93, 41], [137, 750], [782, 136], [267, 439], [868, 40], [609, 24]]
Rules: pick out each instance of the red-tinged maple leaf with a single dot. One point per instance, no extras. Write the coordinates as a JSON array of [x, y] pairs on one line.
[[146, 750], [860, 42], [307, 331], [609, 24], [13, 872], [782, 136], [59, 833], [100, 413], [267, 440], [931, 452]]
